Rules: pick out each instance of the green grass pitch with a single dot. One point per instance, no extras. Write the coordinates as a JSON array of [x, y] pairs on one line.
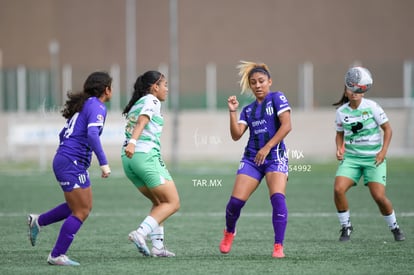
[[194, 233]]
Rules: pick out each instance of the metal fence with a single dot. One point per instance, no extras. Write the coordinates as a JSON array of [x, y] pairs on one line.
[[308, 86], [31, 98]]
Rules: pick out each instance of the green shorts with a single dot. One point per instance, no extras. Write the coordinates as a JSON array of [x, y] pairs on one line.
[[146, 169], [355, 167]]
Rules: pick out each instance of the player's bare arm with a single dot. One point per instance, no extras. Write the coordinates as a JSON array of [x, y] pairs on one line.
[[139, 127]]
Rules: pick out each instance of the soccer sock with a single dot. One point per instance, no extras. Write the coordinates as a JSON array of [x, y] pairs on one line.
[[147, 226], [233, 209], [157, 237], [391, 220], [279, 216], [66, 235], [344, 218], [57, 214]]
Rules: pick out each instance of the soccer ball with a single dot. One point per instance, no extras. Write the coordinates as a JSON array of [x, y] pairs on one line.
[[358, 79]]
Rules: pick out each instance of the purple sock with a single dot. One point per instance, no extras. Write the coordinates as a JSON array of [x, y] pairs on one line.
[[67, 233], [279, 216], [60, 212], [233, 209]]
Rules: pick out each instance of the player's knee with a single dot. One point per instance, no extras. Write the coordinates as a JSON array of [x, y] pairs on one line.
[[339, 190], [82, 214], [381, 200], [176, 205]]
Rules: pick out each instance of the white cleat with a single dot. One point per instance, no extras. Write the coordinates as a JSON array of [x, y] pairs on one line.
[[61, 260], [163, 252], [139, 242]]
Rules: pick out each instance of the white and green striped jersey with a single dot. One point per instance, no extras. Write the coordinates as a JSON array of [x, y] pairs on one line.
[[362, 134], [149, 139]]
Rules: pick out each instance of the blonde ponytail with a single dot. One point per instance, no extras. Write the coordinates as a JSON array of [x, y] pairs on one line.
[[246, 68]]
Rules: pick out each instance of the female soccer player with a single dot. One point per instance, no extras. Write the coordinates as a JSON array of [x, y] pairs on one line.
[[143, 164], [85, 113], [268, 121], [361, 151]]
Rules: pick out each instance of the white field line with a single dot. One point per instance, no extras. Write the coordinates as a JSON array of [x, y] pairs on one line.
[[221, 214]]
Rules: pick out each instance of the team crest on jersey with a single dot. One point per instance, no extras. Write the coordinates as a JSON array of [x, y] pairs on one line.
[[269, 110], [365, 115]]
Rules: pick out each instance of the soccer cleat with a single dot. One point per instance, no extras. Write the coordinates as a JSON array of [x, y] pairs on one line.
[[345, 233], [34, 228], [226, 242], [278, 251], [163, 252], [61, 260], [398, 234], [139, 242]]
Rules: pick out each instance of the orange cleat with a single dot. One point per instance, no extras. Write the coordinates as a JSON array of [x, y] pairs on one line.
[[226, 242], [278, 251]]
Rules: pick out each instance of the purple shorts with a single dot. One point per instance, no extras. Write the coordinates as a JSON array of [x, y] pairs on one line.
[[70, 174], [249, 168]]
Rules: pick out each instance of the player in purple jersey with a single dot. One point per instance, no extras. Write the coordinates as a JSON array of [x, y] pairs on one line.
[[85, 113], [268, 121]]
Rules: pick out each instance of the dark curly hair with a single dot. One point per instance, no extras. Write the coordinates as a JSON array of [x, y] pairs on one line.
[[95, 85]]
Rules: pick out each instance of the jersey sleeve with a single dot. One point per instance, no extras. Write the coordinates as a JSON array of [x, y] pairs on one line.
[[96, 120], [379, 114], [243, 118], [151, 106], [281, 102], [338, 122]]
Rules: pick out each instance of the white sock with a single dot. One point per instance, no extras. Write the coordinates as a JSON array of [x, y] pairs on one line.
[[157, 237], [391, 220], [344, 218], [147, 226]]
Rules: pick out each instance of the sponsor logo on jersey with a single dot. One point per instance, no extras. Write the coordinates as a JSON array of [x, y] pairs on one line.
[[100, 118], [258, 122], [283, 98]]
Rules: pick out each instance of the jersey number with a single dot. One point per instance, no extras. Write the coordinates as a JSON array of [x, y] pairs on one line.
[[71, 125]]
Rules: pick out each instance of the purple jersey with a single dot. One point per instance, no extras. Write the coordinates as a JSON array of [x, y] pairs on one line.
[[263, 122], [81, 134]]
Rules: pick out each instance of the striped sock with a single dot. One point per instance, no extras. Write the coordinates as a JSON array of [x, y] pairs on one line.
[[147, 226], [157, 237]]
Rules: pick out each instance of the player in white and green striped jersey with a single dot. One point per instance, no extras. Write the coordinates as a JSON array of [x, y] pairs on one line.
[[363, 135], [149, 139], [143, 164]]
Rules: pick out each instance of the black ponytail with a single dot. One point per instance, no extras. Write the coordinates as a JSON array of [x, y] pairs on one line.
[[142, 87], [344, 99]]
